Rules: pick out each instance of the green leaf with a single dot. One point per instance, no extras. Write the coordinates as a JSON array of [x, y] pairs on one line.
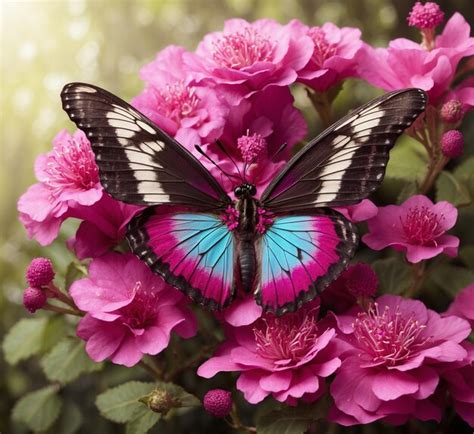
[[143, 423], [408, 161], [55, 330], [451, 278], [67, 361], [466, 254], [394, 275], [451, 189], [69, 421], [409, 189], [121, 404], [74, 272], [39, 409], [24, 339]]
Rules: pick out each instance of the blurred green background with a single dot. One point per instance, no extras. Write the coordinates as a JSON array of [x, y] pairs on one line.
[[45, 44]]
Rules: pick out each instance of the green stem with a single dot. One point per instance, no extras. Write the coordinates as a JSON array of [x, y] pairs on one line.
[[418, 272], [155, 373], [237, 424], [58, 309], [323, 105], [61, 296], [434, 169], [192, 361]]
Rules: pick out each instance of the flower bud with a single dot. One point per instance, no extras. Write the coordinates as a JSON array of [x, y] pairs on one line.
[[218, 402], [161, 401], [425, 16], [452, 143], [40, 272], [451, 111], [361, 280], [34, 299]]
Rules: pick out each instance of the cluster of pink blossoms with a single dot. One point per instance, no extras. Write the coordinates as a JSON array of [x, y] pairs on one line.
[[390, 358]]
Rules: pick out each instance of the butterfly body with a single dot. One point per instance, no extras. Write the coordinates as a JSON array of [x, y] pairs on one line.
[[285, 246]]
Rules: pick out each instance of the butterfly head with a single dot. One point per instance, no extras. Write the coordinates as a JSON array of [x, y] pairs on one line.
[[245, 190]]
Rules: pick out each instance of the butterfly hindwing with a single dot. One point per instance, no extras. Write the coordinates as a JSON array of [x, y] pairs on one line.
[[300, 256], [347, 162], [138, 162], [192, 251]]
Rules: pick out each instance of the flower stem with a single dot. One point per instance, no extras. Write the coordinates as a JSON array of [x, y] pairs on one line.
[[434, 169], [418, 272], [192, 361], [237, 424], [58, 309], [153, 370], [323, 105], [55, 292]]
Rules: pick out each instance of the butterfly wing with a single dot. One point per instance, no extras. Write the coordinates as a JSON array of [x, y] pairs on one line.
[[300, 256], [138, 162], [193, 252], [345, 163]]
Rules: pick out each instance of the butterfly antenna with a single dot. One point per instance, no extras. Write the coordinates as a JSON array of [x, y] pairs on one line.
[[226, 152], [200, 150]]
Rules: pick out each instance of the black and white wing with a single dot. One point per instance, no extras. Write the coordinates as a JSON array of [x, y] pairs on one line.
[[347, 162], [138, 162]]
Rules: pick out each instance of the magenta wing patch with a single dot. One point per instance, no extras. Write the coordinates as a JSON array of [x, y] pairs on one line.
[[300, 256], [192, 251]]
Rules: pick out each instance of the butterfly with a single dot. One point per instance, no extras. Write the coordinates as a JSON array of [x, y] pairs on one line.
[[285, 246]]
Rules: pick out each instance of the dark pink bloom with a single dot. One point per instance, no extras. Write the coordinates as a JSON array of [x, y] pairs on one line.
[[68, 178], [286, 357], [393, 359], [359, 212], [34, 299], [255, 131], [425, 16], [408, 64], [463, 305], [452, 144], [218, 402], [40, 272], [191, 113], [130, 310], [249, 57], [103, 227], [417, 226], [335, 54]]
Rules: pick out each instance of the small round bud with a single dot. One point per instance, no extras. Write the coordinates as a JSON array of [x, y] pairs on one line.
[[34, 299], [425, 16], [361, 280], [161, 401], [451, 111], [452, 143], [218, 402], [40, 272]]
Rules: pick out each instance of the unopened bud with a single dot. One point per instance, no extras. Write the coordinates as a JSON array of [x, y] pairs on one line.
[[218, 402], [452, 143], [161, 401], [34, 299], [40, 272]]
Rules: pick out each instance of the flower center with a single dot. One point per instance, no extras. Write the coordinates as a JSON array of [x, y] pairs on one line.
[[143, 309], [287, 339], [178, 101], [251, 147], [231, 218], [71, 164], [241, 49], [421, 226], [387, 337], [322, 48]]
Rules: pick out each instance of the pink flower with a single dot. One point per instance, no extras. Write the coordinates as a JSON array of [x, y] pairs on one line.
[[68, 178], [255, 131], [130, 310], [335, 54], [408, 64], [360, 212], [103, 227], [249, 57], [285, 357], [463, 305], [416, 226], [391, 366], [191, 113]]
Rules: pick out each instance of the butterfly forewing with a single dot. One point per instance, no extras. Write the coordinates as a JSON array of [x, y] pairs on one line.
[[347, 162], [138, 162]]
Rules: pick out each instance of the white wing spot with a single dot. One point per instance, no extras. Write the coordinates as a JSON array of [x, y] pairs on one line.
[[86, 89], [146, 127]]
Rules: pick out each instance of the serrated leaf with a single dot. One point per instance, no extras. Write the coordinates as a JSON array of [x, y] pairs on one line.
[[451, 278], [465, 170], [121, 404], [69, 421], [74, 272], [451, 189], [39, 409], [67, 360], [394, 275], [55, 330], [143, 423], [408, 161], [24, 339]]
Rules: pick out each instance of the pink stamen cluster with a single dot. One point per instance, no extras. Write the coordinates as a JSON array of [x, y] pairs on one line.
[[252, 147], [288, 339], [231, 218], [143, 309], [425, 16], [451, 111], [421, 226], [71, 164], [177, 101], [241, 49], [322, 48], [387, 337], [264, 220]]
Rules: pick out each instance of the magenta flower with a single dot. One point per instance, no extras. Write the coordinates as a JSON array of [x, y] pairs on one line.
[[408, 64], [249, 57], [286, 357], [463, 305], [130, 310], [335, 54], [417, 226], [360, 212], [255, 131], [192, 114], [393, 359], [463, 95], [103, 227], [68, 178]]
